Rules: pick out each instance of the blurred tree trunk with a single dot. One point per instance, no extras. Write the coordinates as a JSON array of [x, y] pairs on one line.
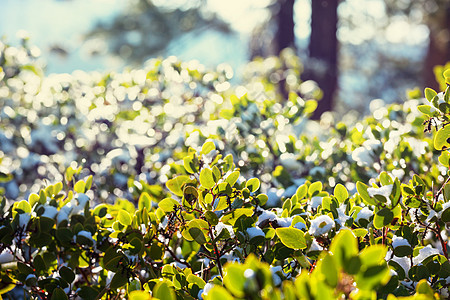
[[439, 45], [272, 37], [323, 51], [285, 36]]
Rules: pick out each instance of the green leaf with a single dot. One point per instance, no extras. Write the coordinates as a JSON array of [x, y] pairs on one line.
[[262, 198], [301, 192], [211, 217], [444, 108], [134, 285], [79, 187], [430, 94], [373, 255], [175, 185], [362, 191], [88, 293], [403, 250], [233, 177], [234, 280], [33, 199], [67, 274], [124, 218], [39, 264], [310, 106], [424, 288], [315, 188], [64, 235], [383, 218], [207, 147], [340, 192], [292, 237], [23, 268], [190, 194], [253, 184], [445, 217], [191, 278], [163, 291], [168, 205], [24, 206], [145, 201], [6, 284], [446, 74], [206, 179], [327, 267], [218, 292], [216, 173], [59, 294], [197, 235], [232, 216], [427, 109], [444, 158], [190, 165], [5, 177], [344, 246], [360, 232], [139, 295], [119, 279], [46, 224], [441, 139], [196, 223]]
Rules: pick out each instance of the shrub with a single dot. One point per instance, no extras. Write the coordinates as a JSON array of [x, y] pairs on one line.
[[186, 186]]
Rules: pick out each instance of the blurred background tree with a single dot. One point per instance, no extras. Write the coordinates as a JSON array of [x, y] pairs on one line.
[[144, 29], [354, 49], [436, 15]]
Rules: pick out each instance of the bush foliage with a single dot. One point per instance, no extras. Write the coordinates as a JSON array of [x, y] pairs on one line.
[[175, 182]]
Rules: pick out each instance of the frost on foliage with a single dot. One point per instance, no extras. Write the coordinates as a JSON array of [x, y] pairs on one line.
[[75, 206], [50, 212], [444, 207], [321, 225], [431, 215], [342, 217], [418, 146], [315, 246], [365, 155], [315, 202], [317, 171], [275, 277], [24, 218], [254, 232], [86, 234], [300, 225], [267, 216], [290, 162], [205, 290], [221, 226], [398, 173], [399, 241], [404, 262], [6, 257], [364, 213], [385, 191], [424, 253]]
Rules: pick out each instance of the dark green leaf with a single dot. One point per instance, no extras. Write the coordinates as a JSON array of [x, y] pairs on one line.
[[59, 294]]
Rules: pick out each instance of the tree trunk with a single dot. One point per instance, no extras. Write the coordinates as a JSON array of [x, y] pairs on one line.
[[323, 50], [438, 47], [284, 36]]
